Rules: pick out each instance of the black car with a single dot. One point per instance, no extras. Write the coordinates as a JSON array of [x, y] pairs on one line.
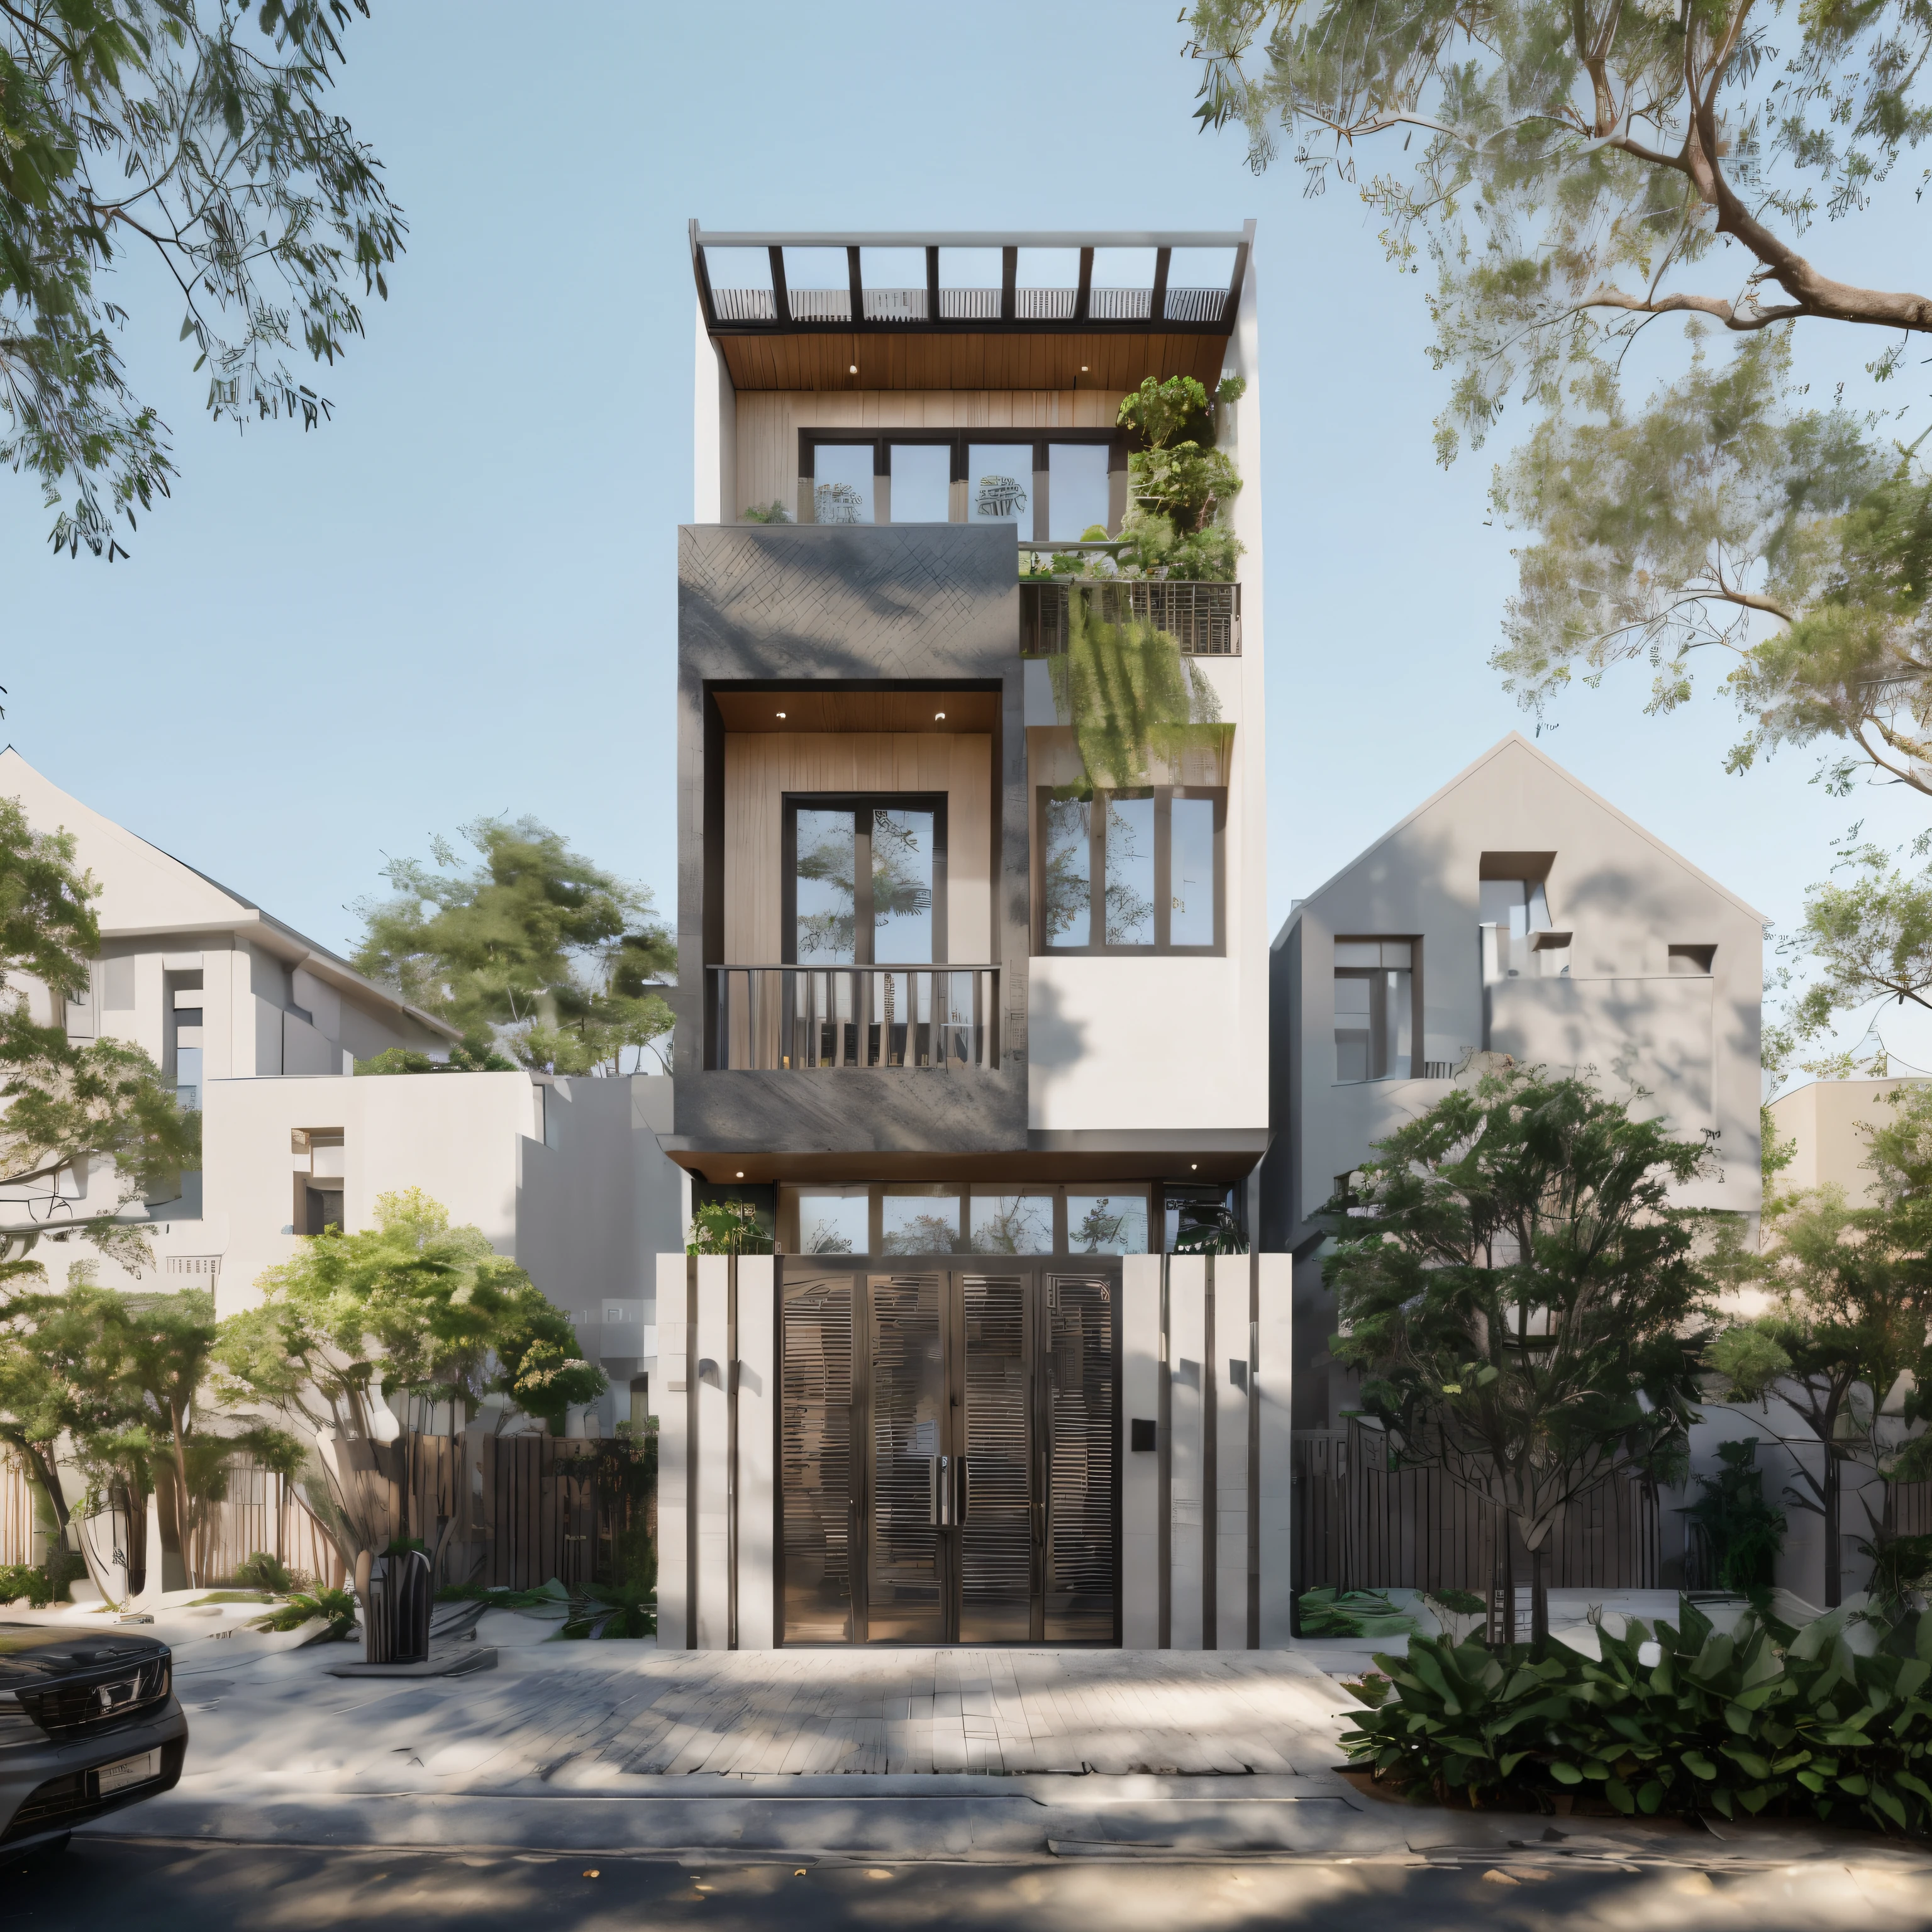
[[88, 1723]]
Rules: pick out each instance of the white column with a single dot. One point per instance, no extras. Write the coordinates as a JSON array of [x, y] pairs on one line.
[[1186, 1346], [1274, 1356], [757, 1411], [671, 1400], [711, 1621], [1232, 1381], [1140, 1469]]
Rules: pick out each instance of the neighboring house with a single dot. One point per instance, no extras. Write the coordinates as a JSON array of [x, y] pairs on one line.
[[1828, 1125], [979, 1057], [1515, 912], [260, 1028]]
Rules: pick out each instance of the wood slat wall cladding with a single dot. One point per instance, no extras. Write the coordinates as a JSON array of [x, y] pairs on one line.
[[768, 425], [943, 361], [761, 766]]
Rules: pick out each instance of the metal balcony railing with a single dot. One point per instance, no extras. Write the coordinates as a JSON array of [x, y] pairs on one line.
[[783, 1018], [1204, 619]]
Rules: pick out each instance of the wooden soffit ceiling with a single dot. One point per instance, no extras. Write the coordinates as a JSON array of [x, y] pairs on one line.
[[832, 709], [821, 360]]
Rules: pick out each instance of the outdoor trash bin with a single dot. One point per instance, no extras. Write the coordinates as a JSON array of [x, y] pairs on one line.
[[395, 1620]]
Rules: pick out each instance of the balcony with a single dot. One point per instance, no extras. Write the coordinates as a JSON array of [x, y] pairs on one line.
[[1204, 619], [794, 1018]]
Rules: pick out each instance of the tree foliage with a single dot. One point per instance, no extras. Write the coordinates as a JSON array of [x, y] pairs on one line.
[[535, 949], [1569, 174], [1523, 1302], [411, 1304], [199, 131], [1846, 1342]]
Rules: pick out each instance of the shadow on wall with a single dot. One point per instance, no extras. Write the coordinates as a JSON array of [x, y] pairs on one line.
[[1056, 1042]]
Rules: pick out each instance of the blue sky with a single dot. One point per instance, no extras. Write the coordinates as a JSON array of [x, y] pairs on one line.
[[458, 597]]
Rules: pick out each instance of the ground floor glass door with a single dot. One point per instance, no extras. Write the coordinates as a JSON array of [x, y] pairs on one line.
[[949, 1453]]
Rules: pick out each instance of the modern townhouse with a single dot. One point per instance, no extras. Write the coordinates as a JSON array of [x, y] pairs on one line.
[[260, 1028], [980, 1056], [1515, 912]]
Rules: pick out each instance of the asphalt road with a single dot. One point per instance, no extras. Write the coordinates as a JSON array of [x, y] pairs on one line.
[[128, 1885]]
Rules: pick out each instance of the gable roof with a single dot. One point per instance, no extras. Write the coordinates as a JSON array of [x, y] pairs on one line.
[[147, 892], [1515, 741]]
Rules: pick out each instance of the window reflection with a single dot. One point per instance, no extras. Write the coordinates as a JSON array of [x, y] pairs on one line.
[[999, 482], [920, 1224], [834, 1224], [827, 873], [842, 488], [1106, 1224], [902, 850], [1013, 1224], [1129, 870], [1069, 869]]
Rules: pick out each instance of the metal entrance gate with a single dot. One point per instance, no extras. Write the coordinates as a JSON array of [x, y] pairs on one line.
[[950, 1458]]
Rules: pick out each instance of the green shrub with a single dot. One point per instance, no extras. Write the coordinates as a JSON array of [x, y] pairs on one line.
[[1329, 1613], [25, 1579], [337, 1606], [263, 1571], [1765, 1717]]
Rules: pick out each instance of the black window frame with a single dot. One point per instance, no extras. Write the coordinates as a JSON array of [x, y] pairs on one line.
[[961, 441], [861, 804], [1163, 947]]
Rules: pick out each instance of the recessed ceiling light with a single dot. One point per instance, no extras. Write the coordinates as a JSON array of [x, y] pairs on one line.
[[1083, 368], [741, 1173], [853, 370], [939, 718], [1196, 1165], [780, 714]]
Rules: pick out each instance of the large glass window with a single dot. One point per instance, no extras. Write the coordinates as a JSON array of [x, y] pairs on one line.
[[1132, 871], [922, 482], [920, 1223], [1106, 1224], [997, 1218], [864, 880], [1374, 1009], [834, 1222], [841, 483], [1076, 494], [937, 476], [1067, 844], [1013, 1224], [1190, 900], [999, 482]]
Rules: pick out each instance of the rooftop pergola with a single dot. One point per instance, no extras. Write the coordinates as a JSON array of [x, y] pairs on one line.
[[969, 309]]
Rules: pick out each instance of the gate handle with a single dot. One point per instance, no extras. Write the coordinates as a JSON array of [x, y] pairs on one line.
[[959, 1507]]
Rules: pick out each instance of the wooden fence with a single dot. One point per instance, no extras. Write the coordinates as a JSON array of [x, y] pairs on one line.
[[1359, 1526], [527, 1508], [509, 1510]]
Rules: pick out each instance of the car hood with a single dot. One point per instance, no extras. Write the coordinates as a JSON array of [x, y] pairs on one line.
[[36, 1653]]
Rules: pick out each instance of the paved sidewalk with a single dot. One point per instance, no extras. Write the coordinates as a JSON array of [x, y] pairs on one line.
[[981, 1755]]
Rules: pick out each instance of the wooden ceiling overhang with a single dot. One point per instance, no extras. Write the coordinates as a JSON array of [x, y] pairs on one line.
[[1010, 350]]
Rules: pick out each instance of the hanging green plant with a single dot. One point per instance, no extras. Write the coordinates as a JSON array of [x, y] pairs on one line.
[[1131, 699]]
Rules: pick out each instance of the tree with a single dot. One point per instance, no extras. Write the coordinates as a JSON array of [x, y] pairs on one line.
[[536, 950], [1570, 174], [98, 1104], [412, 1306], [1524, 1304], [1846, 1344], [196, 130]]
